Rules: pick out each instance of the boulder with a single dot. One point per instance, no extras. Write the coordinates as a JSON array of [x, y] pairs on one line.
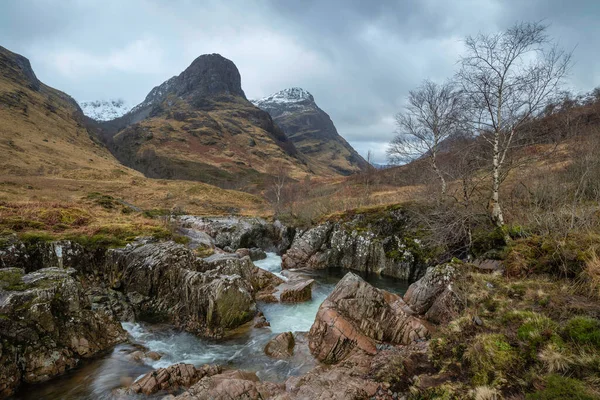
[[254, 253], [262, 281], [422, 294], [59, 254], [350, 380], [232, 385], [171, 379], [296, 292], [358, 316], [166, 282], [281, 346], [47, 326]]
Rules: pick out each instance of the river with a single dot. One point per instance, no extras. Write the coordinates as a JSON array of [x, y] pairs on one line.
[[95, 379]]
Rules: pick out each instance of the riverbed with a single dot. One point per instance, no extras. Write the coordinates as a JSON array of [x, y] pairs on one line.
[[97, 378]]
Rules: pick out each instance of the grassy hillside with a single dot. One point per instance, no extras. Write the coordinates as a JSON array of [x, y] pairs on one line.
[[52, 161], [226, 141]]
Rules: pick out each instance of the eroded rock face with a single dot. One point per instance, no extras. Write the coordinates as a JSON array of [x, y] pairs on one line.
[[237, 233], [171, 379], [164, 281], [60, 254], [353, 246], [357, 316], [47, 326], [281, 346]]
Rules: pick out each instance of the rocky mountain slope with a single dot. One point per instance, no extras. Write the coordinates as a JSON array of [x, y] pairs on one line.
[[312, 131], [51, 154], [200, 126], [42, 130], [104, 110]]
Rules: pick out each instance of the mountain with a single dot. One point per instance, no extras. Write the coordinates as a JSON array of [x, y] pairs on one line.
[[312, 132], [42, 130], [200, 126], [104, 110], [51, 159]]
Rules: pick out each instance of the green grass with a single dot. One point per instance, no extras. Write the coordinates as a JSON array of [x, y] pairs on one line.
[[583, 331]]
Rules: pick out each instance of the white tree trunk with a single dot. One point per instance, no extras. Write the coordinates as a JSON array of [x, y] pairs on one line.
[[440, 176], [496, 209]]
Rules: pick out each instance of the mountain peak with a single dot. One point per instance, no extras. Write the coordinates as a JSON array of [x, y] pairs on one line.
[[17, 67], [104, 110], [207, 75], [286, 96]]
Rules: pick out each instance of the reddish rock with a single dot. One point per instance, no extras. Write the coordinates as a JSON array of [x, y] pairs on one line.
[[172, 379], [232, 385], [281, 346], [357, 316], [296, 292]]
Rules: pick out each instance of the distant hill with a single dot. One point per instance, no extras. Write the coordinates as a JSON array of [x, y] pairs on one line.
[[312, 132]]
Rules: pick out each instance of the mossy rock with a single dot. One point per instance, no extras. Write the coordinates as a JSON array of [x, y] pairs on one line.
[[11, 279]]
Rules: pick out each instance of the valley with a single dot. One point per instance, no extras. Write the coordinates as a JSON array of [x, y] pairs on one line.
[[202, 245]]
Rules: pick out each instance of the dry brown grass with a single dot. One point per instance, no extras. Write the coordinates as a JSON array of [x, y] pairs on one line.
[[143, 193]]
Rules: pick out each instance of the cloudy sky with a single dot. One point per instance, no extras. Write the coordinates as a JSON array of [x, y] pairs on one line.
[[358, 58]]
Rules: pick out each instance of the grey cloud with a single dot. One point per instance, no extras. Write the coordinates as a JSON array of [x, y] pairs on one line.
[[358, 58]]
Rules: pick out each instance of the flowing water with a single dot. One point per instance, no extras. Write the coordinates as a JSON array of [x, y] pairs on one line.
[[97, 378]]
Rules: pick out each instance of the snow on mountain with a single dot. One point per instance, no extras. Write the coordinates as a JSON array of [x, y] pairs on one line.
[[285, 96], [104, 110]]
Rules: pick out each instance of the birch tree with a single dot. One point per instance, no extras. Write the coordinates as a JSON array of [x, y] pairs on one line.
[[509, 78], [430, 117]]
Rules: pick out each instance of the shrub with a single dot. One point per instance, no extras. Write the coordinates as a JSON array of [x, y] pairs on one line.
[[565, 257], [559, 388]]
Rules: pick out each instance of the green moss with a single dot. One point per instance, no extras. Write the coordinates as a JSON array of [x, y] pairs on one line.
[[490, 357], [10, 279], [559, 388], [442, 392], [488, 243], [583, 330], [64, 216], [536, 331], [181, 239], [17, 223], [98, 240], [33, 238], [103, 200]]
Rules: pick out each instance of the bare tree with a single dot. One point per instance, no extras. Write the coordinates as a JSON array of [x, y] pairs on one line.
[[508, 78], [431, 116], [280, 178]]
